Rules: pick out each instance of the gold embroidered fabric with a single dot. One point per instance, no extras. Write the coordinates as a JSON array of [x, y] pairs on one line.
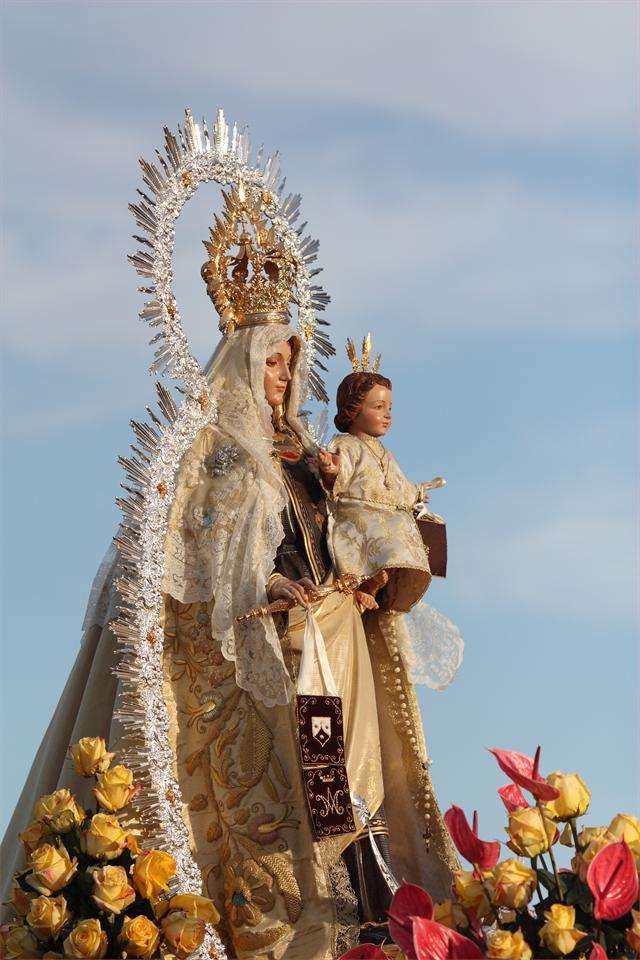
[[371, 524]]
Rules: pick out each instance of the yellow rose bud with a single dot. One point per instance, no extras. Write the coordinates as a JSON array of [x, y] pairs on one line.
[[47, 916], [503, 945], [627, 827], [195, 906], [450, 914], [513, 884], [20, 899], [35, 834], [51, 869], [574, 796], [183, 934], [633, 933], [601, 837], [152, 871], [59, 810], [90, 756], [115, 788], [104, 838], [140, 937], [471, 893], [87, 939], [18, 943], [559, 934], [530, 833], [112, 891]]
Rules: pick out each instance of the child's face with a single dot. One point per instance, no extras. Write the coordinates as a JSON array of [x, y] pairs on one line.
[[374, 416]]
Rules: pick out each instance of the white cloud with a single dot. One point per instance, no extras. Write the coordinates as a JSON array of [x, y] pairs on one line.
[[502, 68]]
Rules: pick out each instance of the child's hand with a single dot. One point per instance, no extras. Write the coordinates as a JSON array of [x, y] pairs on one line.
[[328, 465]]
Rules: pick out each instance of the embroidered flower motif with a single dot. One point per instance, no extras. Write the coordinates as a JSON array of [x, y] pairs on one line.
[[224, 458], [247, 893]]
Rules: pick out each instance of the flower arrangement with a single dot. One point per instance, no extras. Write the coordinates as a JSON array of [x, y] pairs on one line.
[[89, 890], [525, 906]]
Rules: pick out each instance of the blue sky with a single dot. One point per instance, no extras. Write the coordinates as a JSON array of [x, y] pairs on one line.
[[470, 171]]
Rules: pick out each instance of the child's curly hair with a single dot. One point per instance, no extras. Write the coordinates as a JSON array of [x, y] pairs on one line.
[[351, 393]]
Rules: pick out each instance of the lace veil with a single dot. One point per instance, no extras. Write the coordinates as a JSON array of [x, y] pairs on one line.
[[224, 524]]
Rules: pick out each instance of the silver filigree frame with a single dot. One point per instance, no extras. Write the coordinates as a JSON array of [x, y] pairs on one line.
[[191, 158]]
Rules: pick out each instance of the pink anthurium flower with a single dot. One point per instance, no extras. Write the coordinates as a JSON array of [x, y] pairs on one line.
[[409, 901], [613, 881], [432, 941], [366, 951], [597, 953], [512, 797], [523, 770], [483, 854]]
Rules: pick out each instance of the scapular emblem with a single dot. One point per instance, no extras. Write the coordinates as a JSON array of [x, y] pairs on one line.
[[321, 728]]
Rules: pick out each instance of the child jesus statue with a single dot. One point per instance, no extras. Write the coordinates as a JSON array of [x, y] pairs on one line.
[[372, 530]]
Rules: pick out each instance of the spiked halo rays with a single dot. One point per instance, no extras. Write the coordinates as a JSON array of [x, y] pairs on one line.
[[192, 157], [361, 363]]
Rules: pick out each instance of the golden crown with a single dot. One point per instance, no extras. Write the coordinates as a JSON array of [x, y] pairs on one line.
[[362, 363], [250, 275]]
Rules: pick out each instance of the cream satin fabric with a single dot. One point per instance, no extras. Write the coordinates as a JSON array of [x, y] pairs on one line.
[[348, 656]]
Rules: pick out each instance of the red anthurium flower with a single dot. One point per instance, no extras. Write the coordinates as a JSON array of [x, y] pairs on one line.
[[483, 854], [366, 951], [432, 941], [523, 770], [613, 881], [512, 797], [597, 953], [409, 901]]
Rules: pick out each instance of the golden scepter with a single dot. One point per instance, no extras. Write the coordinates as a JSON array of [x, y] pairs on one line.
[[347, 584]]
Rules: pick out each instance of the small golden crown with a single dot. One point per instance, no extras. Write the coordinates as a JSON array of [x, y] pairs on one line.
[[250, 275], [362, 363]]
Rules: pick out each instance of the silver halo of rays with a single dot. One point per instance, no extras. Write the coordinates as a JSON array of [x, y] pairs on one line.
[[192, 156]]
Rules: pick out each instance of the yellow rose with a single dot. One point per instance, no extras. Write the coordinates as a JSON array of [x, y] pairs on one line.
[[601, 837], [18, 942], [633, 933], [51, 869], [627, 827], [513, 884], [87, 939], [530, 833], [559, 934], [33, 836], [183, 934], [104, 838], [90, 756], [59, 810], [115, 788], [574, 796], [566, 836], [471, 893], [47, 916], [503, 945], [111, 889], [152, 871], [195, 906], [140, 937], [450, 914], [20, 899]]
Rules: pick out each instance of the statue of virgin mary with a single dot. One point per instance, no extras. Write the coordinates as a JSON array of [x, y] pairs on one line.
[[225, 515]]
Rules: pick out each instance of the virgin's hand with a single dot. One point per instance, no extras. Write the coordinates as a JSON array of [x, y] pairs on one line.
[[300, 591], [364, 601]]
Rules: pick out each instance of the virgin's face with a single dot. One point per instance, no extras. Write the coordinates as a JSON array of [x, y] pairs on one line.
[[374, 416], [277, 373]]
